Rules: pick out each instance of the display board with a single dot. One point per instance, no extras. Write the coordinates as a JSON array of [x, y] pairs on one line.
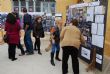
[[92, 23]]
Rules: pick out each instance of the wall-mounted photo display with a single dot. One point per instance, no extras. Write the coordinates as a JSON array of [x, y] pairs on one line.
[[92, 20]]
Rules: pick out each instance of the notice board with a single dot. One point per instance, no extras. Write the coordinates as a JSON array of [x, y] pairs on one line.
[[92, 23]]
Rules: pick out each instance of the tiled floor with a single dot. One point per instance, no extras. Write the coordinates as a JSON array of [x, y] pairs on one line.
[[37, 64], [34, 64]]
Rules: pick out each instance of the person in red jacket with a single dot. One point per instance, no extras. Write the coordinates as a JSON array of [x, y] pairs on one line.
[[12, 29]]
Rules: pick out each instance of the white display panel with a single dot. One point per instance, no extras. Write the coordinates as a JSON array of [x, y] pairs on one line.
[[99, 19], [99, 58], [90, 14], [94, 28], [98, 40], [100, 30], [85, 53], [99, 10]]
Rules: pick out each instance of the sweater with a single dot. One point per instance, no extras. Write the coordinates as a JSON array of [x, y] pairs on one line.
[[71, 36]]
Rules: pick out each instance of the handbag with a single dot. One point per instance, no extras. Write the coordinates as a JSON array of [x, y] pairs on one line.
[[5, 38]]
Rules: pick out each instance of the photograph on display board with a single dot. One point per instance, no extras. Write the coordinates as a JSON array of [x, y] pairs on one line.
[[80, 14]]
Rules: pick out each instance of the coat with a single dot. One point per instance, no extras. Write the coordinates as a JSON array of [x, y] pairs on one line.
[[71, 36], [12, 31], [38, 31]]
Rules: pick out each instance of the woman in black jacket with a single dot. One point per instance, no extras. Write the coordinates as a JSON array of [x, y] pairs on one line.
[[38, 32]]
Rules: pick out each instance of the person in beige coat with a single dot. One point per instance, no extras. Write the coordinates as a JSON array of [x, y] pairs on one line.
[[71, 38]]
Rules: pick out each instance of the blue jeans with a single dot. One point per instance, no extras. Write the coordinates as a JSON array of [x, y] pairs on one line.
[[28, 41], [55, 47]]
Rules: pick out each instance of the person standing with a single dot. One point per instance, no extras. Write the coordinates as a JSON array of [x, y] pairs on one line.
[[55, 41], [71, 38], [19, 45], [27, 20], [12, 29], [38, 32]]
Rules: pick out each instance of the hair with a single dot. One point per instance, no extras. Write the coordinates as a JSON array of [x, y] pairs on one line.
[[11, 18], [38, 18], [16, 14], [24, 10], [74, 22]]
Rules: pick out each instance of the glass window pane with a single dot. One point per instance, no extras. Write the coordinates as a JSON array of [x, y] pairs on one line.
[[30, 3], [22, 8], [23, 3], [16, 3], [45, 6], [38, 9], [31, 9], [16, 9], [52, 7], [38, 3]]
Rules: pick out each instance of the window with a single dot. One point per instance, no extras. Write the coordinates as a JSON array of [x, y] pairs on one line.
[[45, 7], [31, 6], [52, 7], [23, 3], [38, 6], [15, 3]]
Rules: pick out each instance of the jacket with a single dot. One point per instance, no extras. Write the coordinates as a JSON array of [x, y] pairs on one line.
[[38, 30], [12, 32], [71, 36]]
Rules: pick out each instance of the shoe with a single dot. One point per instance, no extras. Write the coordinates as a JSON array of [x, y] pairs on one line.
[[29, 53], [52, 59], [39, 53], [26, 51], [10, 57], [35, 49], [14, 59], [58, 59], [21, 54], [52, 63]]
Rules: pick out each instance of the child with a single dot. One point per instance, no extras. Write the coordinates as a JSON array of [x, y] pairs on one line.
[[55, 42]]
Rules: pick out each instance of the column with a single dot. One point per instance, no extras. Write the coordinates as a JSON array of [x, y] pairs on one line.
[[34, 5], [19, 5], [42, 7], [27, 5]]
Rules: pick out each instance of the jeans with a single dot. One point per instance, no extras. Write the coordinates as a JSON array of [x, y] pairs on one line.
[[28, 41], [55, 47]]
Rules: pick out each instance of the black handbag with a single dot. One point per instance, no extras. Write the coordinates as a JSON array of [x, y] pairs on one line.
[[5, 38]]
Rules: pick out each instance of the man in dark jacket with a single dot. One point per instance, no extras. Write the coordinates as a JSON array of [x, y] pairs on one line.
[[27, 20]]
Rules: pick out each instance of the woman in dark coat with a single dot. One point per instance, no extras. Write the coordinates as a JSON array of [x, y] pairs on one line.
[[38, 32]]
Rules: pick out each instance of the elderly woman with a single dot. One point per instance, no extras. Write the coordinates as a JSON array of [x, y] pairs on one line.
[[71, 38]]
